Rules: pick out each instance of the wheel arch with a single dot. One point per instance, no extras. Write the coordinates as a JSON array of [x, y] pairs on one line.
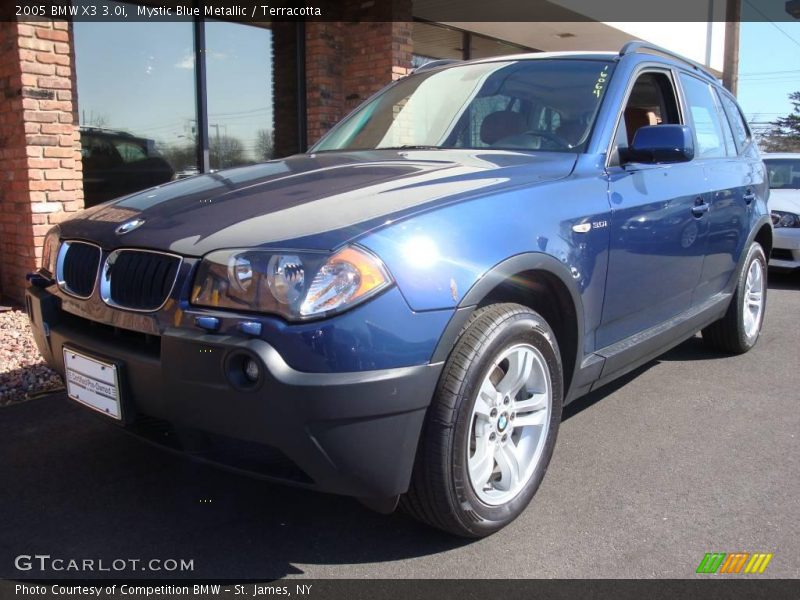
[[764, 237], [532, 279], [761, 233]]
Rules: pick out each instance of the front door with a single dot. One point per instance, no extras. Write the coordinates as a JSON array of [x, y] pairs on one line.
[[659, 223]]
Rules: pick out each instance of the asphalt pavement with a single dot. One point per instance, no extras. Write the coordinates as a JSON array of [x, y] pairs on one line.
[[692, 453]]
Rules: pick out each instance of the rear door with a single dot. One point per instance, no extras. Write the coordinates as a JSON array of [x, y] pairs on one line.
[[658, 225], [729, 180]]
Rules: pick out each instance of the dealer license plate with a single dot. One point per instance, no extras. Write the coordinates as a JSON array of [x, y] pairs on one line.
[[93, 383]]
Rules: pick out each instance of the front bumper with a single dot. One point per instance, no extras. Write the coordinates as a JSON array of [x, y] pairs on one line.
[[348, 433], [785, 248]]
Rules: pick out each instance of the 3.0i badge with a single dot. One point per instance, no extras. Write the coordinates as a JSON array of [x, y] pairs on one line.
[[129, 226]]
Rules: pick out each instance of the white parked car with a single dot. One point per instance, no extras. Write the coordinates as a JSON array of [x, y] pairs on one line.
[[784, 204]]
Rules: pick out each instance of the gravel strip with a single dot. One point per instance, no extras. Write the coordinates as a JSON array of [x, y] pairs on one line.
[[23, 373]]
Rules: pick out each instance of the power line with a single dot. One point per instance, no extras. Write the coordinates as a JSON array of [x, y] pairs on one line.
[[788, 81], [786, 76], [758, 74], [755, 8], [239, 112]]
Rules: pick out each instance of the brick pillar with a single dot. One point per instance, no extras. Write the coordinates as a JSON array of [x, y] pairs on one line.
[[346, 62], [377, 53], [40, 160], [325, 53], [284, 82]]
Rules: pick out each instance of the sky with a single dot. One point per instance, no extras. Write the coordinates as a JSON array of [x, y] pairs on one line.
[[769, 68]]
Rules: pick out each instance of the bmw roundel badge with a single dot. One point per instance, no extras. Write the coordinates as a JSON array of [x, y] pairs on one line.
[[129, 226]]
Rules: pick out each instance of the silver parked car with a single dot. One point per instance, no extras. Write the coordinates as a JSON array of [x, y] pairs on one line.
[[784, 205]]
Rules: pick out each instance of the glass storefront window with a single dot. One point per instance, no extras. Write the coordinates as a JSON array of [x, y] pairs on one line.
[[136, 105], [433, 42], [137, 101], [240, 98], [483, 47]]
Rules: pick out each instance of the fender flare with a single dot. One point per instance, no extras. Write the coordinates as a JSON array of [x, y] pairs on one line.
[[501, 272], [764, 220]]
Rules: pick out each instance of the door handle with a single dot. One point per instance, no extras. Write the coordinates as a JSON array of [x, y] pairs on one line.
[[700, 207], [749, 196]]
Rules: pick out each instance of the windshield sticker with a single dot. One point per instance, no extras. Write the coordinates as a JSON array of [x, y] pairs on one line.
[[601, 82]]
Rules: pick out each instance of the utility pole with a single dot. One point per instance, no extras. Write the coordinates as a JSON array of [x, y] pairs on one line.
[[730, 67], [218, 149]]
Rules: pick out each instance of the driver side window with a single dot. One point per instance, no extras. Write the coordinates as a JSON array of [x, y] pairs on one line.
[[652, 101]]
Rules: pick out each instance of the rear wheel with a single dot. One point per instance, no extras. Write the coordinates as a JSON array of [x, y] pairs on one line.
[[739, 329], [491, 428]]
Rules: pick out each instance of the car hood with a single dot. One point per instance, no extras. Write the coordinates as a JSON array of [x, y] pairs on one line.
[[310, 201], [785, 200]]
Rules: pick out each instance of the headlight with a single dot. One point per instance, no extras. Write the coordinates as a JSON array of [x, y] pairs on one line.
[[784, 219], [50, 251], [294, 285]]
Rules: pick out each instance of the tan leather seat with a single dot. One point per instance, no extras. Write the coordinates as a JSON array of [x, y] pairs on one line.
[[635, 118]]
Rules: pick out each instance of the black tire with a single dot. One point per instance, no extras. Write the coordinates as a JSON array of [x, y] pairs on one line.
[[729, 334], [440, 493]]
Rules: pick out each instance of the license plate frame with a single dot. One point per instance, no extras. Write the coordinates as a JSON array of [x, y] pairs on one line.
[[93, 382]]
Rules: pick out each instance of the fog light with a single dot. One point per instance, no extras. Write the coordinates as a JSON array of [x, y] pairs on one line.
[[251, 370]]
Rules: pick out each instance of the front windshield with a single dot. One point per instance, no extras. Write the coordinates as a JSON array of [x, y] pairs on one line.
[[784, 173], [540, 104]]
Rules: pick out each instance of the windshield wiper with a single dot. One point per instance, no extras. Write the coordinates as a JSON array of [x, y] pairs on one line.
[[409, 147]]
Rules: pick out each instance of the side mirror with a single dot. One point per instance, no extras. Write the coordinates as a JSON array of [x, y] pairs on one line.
[[655, 144]]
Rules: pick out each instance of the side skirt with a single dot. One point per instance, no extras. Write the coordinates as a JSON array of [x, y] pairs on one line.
[[611, 362]]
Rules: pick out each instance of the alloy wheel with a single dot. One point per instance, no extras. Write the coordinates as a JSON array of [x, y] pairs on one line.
[[509, 424], [753, 299]]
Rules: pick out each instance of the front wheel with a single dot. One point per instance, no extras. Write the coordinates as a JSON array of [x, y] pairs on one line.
[[491, 428], [738, 330]]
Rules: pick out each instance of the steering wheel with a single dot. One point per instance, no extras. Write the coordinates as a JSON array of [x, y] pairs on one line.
[[545, 135]]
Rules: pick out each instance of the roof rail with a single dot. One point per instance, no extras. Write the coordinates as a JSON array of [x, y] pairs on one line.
[[638, 45], [93, 129], [436, 63]]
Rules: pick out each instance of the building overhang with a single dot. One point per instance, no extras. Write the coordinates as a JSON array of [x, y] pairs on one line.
[[559, 26]]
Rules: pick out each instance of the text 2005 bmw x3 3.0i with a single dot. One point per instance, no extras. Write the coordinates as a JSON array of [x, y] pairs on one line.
[[400, 314]]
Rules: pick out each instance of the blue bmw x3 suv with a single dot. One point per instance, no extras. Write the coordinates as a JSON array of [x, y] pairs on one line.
[[401, 313]]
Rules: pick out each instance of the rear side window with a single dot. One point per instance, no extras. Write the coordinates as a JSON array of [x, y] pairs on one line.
[[130, 152], [702, 105], [99, 152], [730, 145], [740, 131]]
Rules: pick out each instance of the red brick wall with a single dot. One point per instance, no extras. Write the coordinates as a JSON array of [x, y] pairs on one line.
[[40, 158], [346, 62]]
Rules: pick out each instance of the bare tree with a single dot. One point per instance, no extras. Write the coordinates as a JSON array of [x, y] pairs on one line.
[[181, 156], [225, 151], [265, 146]]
